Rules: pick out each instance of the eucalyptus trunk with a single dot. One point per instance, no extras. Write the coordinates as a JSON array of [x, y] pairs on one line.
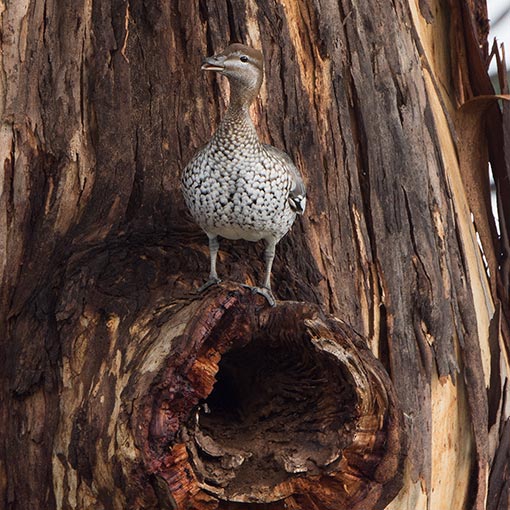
[[381, 377]]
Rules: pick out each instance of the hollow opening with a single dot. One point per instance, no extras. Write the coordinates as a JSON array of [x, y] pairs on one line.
[[280, 408]]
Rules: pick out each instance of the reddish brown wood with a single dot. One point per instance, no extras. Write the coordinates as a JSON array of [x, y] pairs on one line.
[[302, 413]]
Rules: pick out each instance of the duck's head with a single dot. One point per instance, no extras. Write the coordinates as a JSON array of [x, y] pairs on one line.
[[242, 65]]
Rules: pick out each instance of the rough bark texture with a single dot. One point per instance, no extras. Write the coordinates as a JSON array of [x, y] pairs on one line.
[[379, 103]]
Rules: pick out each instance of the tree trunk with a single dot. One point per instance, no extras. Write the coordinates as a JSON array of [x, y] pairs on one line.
[[121, 387]]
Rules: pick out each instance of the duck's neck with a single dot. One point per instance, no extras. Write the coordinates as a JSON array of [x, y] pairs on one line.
[[237, 125]]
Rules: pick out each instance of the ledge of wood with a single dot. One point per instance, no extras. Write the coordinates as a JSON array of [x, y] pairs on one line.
[[270, 405]]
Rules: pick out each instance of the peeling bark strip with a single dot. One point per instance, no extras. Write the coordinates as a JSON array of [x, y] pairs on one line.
[[263, 405]]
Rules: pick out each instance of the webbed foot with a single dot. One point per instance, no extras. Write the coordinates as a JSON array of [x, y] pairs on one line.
[[263, 291], [209, 283]]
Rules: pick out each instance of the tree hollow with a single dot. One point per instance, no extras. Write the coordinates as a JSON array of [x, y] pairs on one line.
[[274, 404]]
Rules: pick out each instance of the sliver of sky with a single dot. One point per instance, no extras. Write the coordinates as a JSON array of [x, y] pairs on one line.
[[499, 16]]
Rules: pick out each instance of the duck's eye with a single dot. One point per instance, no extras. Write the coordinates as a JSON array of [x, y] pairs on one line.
[[243, 58]]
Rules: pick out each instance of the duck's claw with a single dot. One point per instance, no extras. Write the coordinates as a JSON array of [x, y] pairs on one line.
[[263, 291], [209, 283]]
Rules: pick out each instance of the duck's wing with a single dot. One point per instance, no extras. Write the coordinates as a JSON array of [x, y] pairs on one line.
[[297, 194]]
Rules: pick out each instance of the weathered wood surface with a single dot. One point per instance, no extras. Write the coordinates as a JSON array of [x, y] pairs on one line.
[[102, 103], [301, 415]]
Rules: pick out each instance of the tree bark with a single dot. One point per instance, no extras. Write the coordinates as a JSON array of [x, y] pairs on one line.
[[121, 387]]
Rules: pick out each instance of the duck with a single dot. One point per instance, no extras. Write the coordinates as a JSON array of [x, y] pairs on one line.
[[237, 187]]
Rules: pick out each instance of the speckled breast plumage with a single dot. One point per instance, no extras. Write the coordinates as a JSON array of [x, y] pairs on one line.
[[234, 187]]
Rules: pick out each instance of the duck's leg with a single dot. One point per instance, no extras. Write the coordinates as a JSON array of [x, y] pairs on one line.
[[214, 246], [269, 257], [265, 289]]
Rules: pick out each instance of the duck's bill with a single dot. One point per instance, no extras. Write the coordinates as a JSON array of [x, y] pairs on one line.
[[212, 64], [211, 67]]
